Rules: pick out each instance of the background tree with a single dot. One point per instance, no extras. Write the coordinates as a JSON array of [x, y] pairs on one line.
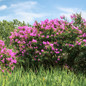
[[8, 26]]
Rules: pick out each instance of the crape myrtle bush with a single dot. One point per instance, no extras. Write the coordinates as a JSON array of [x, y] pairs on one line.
[[51, 41], [80, 61], [7, 58]]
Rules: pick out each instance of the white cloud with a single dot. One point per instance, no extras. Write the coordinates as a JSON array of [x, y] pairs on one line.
[[29, 17], [4, 18], [30, 14], [3, 7], [69, 11], [24, 5], [24, 16], [24, 11], [29, 3]]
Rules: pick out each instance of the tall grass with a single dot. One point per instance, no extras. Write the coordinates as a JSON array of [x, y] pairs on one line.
[[42, 77]]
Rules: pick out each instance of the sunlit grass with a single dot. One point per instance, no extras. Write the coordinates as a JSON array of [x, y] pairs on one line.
[[42, 77]]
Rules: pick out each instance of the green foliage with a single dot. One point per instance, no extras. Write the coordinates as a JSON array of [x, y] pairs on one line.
[[78, 56], [68, 36], [8, 26], [65, 34]]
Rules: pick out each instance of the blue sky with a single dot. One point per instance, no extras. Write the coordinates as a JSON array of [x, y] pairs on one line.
[[31, 10]]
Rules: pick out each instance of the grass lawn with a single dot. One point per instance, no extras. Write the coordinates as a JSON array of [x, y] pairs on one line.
[[42, 77]]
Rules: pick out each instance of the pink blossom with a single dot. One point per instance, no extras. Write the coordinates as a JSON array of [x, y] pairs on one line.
[[84, 40], [42, 36], [84, 44], [44, 42], [58, 59], [40, 44], [38, 59], [9, 59], [12, 68], [56, 49], [60, 49], [57, 33], [57, 52], [84, 35], [14, 61], [47, 36], [34, 40], [38, 34], [71, 45], [51, 52], [53, 48], [42, 50], [79, 43], [51, 45], [62, 17], [3, 60], [39, 53], [19, 42], [51, 35], [55, 42], [48, 42], [2, 70]]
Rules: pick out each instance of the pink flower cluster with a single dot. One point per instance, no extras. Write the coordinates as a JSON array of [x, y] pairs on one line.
[[47, 37], [7, 58]]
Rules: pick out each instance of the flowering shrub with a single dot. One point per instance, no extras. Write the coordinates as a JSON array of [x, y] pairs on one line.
[[49, 40], [80, 61], [7, 58]]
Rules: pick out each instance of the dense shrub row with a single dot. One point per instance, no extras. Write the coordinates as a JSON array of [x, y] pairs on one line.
[[51, 42]]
